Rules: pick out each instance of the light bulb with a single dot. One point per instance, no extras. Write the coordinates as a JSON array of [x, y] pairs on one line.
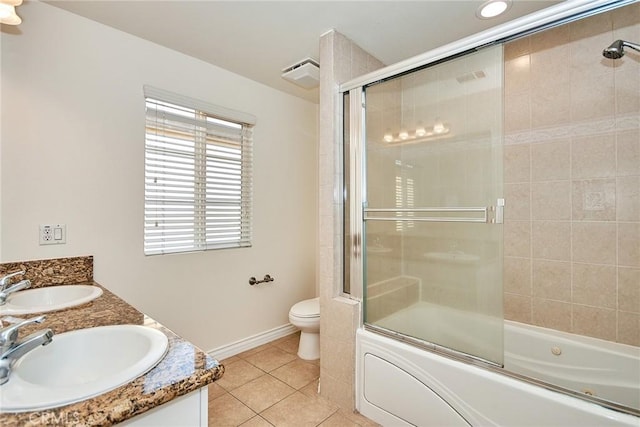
[[403, 134], [388, 137], [421, 131], [439, 127]]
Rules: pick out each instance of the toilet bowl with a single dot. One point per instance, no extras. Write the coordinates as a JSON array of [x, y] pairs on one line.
[[305, 315]]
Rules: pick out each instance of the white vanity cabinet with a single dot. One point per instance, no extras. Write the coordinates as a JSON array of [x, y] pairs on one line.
[[190, 410]]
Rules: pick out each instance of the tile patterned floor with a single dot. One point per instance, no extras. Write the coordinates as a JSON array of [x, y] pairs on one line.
[[270, 386]]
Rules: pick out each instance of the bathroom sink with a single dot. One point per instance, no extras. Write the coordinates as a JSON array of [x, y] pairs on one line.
[[49, 298], [81, 364]]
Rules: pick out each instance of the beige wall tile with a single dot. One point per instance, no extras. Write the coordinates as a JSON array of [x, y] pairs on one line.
[[590, 27], [339, 357], [552, 314], [594, 322], [594, 285], [545, 67], [516, 72], [592, 96], [517, 308], [629, 289], [580, 253], [551, 240], [627, 17], [594, 200], [627, 87], [517, 201], [551, 200], [594, 242], [551, 105], [517, 163], [548, 39], [629, 328], [629, 244], [550, 160], [517, 238], [552, 280], [517, 111], [628, 152], [336, 390], [628, 198], [516, 48], [593, 157], [517, 275]]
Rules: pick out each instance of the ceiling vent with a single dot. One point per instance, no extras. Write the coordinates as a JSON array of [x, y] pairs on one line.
[[305, 73]]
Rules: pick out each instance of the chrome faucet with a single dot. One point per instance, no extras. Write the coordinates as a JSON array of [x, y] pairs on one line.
[[5, 279], [5, 292], [11, 349]]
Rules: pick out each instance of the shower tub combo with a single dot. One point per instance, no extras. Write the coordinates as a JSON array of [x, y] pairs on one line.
[[450, 194], [401, 384]]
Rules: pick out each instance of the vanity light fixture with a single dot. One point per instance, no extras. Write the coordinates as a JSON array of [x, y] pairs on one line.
[[420, 134], [492, 8], [8, 12]]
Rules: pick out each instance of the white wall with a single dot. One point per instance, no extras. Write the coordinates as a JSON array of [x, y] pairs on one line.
[[72, 152]]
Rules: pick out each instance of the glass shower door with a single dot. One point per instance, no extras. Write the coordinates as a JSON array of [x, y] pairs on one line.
[[433, 209]]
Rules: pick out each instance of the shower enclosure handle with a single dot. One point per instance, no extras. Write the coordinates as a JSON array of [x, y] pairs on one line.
[[499, 219], [481, 210]]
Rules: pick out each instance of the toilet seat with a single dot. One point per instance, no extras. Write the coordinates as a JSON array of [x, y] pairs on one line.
[[308, 308]]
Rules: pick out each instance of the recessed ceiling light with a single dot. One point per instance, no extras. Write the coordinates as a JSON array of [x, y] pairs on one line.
[[492, 8]]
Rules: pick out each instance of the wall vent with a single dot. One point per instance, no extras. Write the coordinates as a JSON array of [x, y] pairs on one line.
[[471, 76], [305, 73]]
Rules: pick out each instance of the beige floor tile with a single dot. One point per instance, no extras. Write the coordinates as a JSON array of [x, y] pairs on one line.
[[270, 359], [257, 421], [338, 420], [215, 391], [297, 373], [254, 350], [237, 374], [229, 360], [262, 392], [311, 390], [290, 345], [226, 410], [357, 418], [289, 412], [295, 335]]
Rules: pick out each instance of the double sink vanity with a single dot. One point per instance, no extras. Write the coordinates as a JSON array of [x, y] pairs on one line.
[[74, 353]]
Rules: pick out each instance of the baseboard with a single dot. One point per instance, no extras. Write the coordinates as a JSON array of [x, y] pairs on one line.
[[253, 341]]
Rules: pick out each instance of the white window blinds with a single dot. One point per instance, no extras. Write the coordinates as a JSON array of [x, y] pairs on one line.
[[198, 178]]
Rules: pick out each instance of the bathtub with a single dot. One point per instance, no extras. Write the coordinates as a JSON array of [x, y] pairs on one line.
[[398, 384]]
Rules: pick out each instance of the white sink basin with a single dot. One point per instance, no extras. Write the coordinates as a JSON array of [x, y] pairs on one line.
[[50, 298], [81, 364]]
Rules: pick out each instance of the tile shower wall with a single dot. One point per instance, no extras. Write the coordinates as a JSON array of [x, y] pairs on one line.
[[340, 60], [572, 179]]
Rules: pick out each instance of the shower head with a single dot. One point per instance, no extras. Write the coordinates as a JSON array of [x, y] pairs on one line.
[[616, 50]]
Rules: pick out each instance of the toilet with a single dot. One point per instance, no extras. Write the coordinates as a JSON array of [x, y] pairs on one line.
[[305, 315]]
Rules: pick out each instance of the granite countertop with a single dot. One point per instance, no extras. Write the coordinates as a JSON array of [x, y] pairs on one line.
[[184, 368]]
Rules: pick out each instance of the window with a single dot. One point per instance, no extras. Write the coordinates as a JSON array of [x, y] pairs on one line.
[[198, 179]]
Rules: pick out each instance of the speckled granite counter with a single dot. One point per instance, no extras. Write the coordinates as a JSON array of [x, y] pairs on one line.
[[184, 369]]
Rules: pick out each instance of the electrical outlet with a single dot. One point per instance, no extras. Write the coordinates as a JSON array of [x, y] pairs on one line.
[[53, 234]]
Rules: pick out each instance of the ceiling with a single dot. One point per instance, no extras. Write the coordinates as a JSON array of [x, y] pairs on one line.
[[257, 39]]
